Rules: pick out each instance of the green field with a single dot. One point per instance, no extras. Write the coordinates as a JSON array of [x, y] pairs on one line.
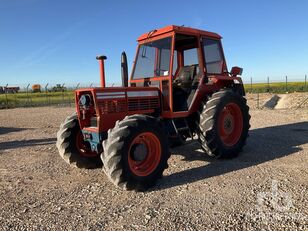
[[276, 87], [67, 97], [36, 99]]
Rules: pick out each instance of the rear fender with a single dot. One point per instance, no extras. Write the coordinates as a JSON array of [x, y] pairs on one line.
[[234, 83], [214, 84]]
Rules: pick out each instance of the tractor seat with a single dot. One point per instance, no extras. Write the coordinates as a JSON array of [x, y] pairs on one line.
[[185, 76]]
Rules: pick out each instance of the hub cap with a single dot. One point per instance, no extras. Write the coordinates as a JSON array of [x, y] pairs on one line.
[[144, 154], [83, 147], [230, 124]]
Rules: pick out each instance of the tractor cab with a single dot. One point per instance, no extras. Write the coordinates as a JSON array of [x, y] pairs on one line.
[[177, 60]]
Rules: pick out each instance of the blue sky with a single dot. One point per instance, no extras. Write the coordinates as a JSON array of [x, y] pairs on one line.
[[43, 41]]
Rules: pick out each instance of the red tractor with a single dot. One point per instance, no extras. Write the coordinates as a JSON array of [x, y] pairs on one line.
[[179, 88]]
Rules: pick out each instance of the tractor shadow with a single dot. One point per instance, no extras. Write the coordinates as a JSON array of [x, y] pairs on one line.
[[263, 144], [26, 143], [6, 130]]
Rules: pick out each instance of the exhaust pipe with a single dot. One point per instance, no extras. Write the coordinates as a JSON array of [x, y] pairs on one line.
[[101, 59], [124, 70]]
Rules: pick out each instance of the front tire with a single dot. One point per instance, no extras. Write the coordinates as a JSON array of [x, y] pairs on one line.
[[136, 152], [224, 124], [72, 148]]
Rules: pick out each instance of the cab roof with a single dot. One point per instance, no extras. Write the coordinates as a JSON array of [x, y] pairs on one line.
[[177, 29]]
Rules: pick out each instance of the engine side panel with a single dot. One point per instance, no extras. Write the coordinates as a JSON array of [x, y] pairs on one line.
[[112, 104]]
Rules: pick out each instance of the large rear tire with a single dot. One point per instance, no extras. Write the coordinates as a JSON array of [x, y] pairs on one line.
[[136, 152], [72, 148], [224, 124]]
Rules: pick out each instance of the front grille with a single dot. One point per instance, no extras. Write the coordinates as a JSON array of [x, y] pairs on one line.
[[143, 104], [132, 102], [112, 106]]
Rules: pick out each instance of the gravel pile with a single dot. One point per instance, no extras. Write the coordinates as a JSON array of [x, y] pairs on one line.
[[280, 101], [265, 187]]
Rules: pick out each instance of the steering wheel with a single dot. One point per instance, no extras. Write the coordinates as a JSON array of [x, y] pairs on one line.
[[157, 71]]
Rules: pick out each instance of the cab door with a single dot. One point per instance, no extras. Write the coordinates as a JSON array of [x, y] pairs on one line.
[[213, 55]]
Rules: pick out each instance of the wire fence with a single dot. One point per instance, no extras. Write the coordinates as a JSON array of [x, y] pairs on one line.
[[266, 94], [284, 85], [13, 96], [63, 94]]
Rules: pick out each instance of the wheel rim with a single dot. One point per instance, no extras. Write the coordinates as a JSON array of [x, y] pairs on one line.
[[144, 154], [230, 124], [83, 147]]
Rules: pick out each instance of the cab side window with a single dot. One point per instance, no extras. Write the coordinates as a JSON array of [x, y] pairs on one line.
[[175, 62], [213, 56], [191, 57]]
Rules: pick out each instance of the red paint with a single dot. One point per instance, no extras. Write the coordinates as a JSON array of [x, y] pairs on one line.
[[107, 119], [178, 29], [102, 72]]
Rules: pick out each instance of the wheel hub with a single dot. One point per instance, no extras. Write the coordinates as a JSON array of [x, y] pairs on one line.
[[230, 124], [139, 152], [84, 147], [144, 154]]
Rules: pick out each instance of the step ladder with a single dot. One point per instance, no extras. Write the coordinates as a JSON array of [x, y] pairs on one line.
[[185, 128]]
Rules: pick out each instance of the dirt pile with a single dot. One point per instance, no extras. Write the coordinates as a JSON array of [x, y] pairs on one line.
[[286, 101], [296, 100]]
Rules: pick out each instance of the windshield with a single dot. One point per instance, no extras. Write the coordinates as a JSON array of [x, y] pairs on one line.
[[153, 59]]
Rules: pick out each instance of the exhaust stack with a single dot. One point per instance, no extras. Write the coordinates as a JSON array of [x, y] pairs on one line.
[[101, 59], [124, 70]]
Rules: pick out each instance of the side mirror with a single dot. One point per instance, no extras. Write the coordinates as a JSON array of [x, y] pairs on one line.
[[235, 71]]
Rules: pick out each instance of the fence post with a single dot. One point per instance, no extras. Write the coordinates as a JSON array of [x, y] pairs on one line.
[[286, 83], [28, 98], [15, 96], [63, 93], [250, 84], [6, 99], [305, 81], [46, 90], [258, 99], [268, 85]]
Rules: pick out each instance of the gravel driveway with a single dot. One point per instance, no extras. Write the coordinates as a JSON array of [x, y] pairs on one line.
[[265, 187]]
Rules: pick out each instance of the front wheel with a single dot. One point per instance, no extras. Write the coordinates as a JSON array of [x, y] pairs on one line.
[[72, 148], [224, 124], [136, 152]]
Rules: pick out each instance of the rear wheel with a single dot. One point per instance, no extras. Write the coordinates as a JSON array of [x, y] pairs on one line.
[[72, 148], [224, 124], [136, 152]]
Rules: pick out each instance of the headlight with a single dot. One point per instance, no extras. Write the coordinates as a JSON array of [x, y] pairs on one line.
[[85, 100]]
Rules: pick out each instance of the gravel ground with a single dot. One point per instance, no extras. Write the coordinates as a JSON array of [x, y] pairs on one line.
[[265, 187]]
